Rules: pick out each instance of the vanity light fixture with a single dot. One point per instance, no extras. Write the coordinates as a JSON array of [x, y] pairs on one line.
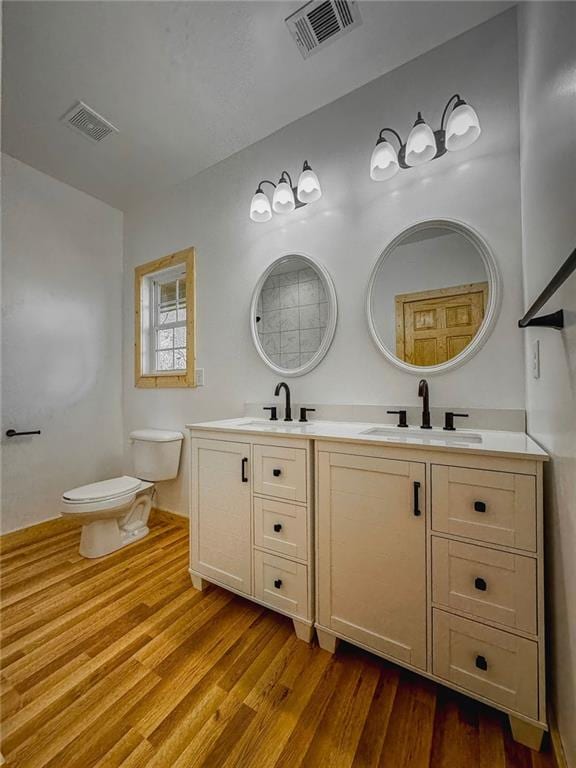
[[286, 196], [460, 131]]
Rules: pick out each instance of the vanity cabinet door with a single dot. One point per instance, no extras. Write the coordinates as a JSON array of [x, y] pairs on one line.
[[372, 553], [221, 545]]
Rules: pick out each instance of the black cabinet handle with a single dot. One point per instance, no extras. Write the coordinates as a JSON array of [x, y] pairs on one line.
[[277, 527], [276, 472], [244, 465], [13, 433], [480, 584], [481, 663], [416, 487], [480, 506], [277, 583]]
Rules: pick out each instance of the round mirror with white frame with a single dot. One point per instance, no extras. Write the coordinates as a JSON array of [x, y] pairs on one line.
[[293, 314], [433, 296]]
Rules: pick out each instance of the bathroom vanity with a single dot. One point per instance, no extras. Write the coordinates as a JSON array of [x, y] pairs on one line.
[[425, 548]]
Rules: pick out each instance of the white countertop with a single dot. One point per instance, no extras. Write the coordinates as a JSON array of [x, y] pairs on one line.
[[492, 442]]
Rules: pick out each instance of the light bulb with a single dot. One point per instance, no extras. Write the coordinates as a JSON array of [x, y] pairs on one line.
[[283, 200], [421, 144], [384, 161], [463, 127], [309, 189], [260, 207]]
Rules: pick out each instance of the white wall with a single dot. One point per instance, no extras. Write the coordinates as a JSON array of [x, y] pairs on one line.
[[346, 230], [62, 342], [548, 141]]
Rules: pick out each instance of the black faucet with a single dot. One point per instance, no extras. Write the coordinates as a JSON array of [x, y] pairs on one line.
[[424, 393], [288, 409]]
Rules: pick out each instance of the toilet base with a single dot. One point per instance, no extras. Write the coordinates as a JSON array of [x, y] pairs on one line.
[[104, 536]]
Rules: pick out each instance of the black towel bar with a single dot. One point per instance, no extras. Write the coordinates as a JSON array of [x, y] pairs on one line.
[[555, 319]]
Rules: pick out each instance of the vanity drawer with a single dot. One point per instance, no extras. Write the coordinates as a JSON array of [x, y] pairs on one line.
[[281, 584], [281, 527], [492, 585], [280, 472], [495, 507], [489, 662]]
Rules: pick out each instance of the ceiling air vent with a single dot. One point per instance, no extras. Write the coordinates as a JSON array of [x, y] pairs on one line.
[[318, 23], [84, 120]]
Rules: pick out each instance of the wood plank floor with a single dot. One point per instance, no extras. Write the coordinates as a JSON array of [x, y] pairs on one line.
[[120, 662]]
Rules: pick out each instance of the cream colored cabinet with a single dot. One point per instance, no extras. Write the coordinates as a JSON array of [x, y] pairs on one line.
[[372, 553], [221, 518], [434, 559], [251, 528], [431, 557]]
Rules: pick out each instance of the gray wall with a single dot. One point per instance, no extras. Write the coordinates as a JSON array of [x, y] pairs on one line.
[[346, 230], [61, 342], [548, 141]]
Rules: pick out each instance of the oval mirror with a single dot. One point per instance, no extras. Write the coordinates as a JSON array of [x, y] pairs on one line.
[[433, 296], [293, 314]]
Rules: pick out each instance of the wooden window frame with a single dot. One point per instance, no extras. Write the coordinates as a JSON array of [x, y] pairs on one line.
[[187, 378]]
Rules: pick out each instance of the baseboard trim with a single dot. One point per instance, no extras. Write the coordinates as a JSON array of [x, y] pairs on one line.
[[169, 517], [21, 536], [556, 740]]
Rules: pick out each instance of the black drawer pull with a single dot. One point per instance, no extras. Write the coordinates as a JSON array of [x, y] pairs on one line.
[[481, 663], [416, 508], [276, 472], [480, 584], [244, 465], [277, 583], [277, 527], [480, 506]]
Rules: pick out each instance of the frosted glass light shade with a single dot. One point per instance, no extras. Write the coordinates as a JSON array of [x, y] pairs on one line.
[[283, 200], [463, 128], [421, 144], [260, 208], [384, 162], [309, 189]]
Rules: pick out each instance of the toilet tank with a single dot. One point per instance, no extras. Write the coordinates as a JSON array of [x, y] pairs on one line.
[[156, 453]]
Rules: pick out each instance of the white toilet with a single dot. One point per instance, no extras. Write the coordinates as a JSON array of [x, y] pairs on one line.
[[114, 513]]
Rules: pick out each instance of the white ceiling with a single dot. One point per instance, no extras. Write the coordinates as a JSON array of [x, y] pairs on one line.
[[187, 83]]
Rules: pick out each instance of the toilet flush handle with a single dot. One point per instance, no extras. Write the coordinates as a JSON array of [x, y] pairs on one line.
[[13, 433]]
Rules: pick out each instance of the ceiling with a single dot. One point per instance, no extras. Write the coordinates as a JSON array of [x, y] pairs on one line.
[[186, 83]]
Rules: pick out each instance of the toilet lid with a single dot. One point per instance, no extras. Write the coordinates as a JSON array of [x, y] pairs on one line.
[[106, 489]]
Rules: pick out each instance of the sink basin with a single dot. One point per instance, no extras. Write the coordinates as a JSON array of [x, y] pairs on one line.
[[280, 424], [426, 435]]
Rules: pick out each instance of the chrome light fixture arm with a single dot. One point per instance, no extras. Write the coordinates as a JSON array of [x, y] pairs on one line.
[[264, 181], [458, 103]]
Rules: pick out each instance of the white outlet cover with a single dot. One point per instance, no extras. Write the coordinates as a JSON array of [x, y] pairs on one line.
[[199, 377]]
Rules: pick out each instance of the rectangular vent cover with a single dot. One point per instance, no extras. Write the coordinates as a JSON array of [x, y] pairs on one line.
[[319, 22], [84, 120]]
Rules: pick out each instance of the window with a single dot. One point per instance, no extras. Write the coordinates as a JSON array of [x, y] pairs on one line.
[[164, 327]]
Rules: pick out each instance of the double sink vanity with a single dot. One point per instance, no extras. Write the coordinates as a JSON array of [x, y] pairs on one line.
[[423, 546]]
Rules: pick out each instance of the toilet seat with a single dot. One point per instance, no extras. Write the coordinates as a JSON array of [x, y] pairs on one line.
[[105, 490]]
